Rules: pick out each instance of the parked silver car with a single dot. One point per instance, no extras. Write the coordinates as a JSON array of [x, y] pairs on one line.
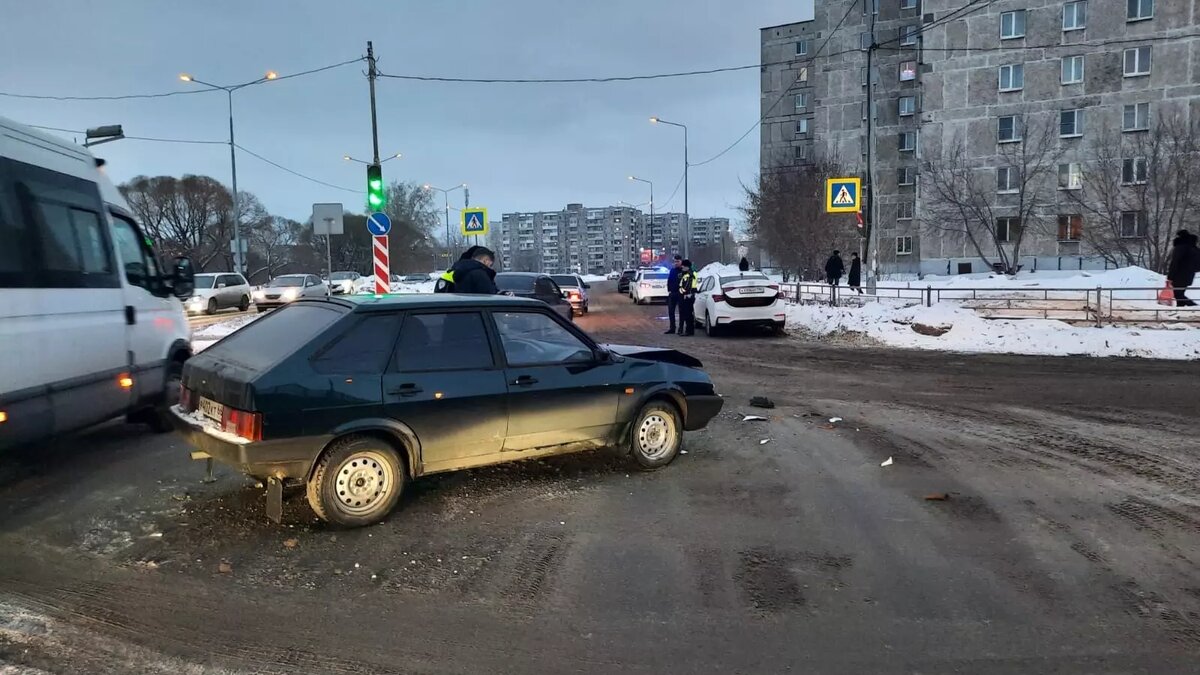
[[217, 291], [283, 289], [344, 282]]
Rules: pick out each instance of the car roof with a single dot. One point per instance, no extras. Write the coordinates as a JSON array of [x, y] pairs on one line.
[[370, 303], [523, 274]]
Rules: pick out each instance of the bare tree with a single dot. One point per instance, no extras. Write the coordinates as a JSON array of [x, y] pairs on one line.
[[785, 212], [185, 216], [992, 209], [1136, 189], [273, 239]]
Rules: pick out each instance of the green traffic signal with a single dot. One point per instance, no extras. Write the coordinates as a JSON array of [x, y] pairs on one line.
[[375, 194]]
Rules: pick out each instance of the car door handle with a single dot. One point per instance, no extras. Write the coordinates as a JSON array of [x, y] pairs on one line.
[[525, 381], [408, 389]]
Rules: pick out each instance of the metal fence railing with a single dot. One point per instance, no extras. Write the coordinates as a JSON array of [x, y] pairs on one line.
[[1097, 305]]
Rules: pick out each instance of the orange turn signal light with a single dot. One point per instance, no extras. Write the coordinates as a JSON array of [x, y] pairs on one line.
[[125, 381], [628, 390], [3, 417]]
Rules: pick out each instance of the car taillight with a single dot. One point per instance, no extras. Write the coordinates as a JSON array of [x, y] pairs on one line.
[[185, 399], [574, 294], [643, 285], [717, 297], [247, 425]]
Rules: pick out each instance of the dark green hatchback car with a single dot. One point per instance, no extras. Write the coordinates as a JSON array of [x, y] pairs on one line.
[[355, 396]]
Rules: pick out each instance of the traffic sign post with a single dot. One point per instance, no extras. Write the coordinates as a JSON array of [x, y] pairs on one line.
[[378, 224], [843, 195], [474, 221]]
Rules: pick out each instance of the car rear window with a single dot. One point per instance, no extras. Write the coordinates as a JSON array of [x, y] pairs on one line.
[[363, 349], [514, 283], [565, 280], [654, 275], [264, 342], [745, 277]]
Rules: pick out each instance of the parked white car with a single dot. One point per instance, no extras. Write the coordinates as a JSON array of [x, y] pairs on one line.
[[649, 285], [344, 282], [288, 287], [217, 291], [574, 290], [742, 299], [90, 327]]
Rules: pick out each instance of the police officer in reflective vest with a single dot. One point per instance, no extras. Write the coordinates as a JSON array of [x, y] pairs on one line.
[[687, 303], [472, 273]]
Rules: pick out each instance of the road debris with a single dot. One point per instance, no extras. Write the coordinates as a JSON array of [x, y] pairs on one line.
[[291, 543], [762, 402], [887, 462], [764, 441], [225, 567], [753, 418], [683, 452], [834, 420], [937, 497]]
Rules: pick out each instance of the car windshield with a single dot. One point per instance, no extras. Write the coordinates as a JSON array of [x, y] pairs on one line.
[[514, 282], [289, 280], [206, 280], [566, 280], [342, 276], [655, 276], [745, 277]]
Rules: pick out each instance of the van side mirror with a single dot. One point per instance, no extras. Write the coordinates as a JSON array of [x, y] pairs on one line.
[[183, 278]]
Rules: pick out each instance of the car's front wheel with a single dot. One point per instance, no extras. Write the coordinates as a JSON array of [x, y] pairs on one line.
[[358, 481], [212, 306], [656, 435], [244, 304]]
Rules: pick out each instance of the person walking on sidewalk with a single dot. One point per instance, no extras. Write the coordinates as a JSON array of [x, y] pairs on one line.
[[1183, 266], [687, 299], [854, 277], [834, 268], [673, 296]]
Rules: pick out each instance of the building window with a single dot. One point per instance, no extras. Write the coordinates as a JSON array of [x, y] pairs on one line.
[[1072, 69], [904, 245], [1070, 227], [801, 47], [862, 76], [801, 102], [1135, 117], [906, 175], [1139, 9], [908, 35], [904, 211], [1012, 24], [908, 71], [1133, 224], [1134, 170], [1137, 61], [1075, 15], [908, 4], [1008, 129], [1008, 229], [907, 141], [802, 126], [1012, 77], [865, 40], [1007, 180], [802, 74], [1070, 176], [874, 5], [1070, 123], [800, 152], [906, 105]]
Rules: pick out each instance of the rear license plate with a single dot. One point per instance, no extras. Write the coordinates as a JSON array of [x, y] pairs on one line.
[[211, 409], [752, 291]]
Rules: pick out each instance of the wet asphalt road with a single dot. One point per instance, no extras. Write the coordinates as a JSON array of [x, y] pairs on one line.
[[1069, 541]]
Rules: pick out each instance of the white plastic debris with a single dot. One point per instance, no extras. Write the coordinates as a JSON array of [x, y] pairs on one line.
[[356, 565], [764, 441], [887, 462], [683, 452], [754, 418], [834, 420]]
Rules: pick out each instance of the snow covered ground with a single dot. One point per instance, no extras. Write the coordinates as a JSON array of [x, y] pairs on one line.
[[204, 338]]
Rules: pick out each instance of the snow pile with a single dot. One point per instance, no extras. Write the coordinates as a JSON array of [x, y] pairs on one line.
[[424, 287], [948, 327], [593, 278]]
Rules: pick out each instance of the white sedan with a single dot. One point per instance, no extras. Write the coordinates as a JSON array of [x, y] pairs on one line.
[[648, 286], [743, 299]]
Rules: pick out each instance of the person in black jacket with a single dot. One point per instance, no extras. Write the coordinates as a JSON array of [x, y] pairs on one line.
[[687, 299], [744, 265], [834, 268], [673, 296], [854, 277], [1183, 266], [475, 274]]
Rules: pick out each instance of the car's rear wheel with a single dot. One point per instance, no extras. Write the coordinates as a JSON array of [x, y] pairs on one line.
[[358, 481], [244, 304], [212, 306], [656, 435], [710, 329], [159, 418]]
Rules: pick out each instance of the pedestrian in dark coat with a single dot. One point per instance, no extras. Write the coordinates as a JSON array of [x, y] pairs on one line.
[[1183, 266], [475, 274], [673, 295], [854, 278], [744, 265], [834, 268], [687, 299]]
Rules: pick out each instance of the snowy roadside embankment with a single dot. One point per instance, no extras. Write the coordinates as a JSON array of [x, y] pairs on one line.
[[203, 338], [948, 327]]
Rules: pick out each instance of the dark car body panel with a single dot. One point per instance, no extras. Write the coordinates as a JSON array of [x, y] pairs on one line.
[[442, 419], [624, 280], [538, 287]]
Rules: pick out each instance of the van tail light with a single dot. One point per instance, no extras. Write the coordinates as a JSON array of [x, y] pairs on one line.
[[247, 425], [185, 399]]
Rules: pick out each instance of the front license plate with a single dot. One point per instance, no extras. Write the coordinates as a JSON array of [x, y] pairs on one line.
[[752, 291], [211, 409]]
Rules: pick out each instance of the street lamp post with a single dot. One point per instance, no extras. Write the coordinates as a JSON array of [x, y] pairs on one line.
[[238, 260], [686, 215], [651, 184], [446, 195]]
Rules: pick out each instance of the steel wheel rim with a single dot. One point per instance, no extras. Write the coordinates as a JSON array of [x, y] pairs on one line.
[[656, 436], [363, 481]]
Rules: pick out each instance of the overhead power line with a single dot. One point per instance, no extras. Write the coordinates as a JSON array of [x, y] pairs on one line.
[[296, 173], [674, 192]]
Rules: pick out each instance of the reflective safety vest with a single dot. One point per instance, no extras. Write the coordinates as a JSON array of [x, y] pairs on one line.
[[687, 283], [445, 283]]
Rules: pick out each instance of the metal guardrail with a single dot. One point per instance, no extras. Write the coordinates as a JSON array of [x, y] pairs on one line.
[[1099, 305]]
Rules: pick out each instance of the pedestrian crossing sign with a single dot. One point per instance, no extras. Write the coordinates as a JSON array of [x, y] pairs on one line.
[[474, 221], [842, 195]]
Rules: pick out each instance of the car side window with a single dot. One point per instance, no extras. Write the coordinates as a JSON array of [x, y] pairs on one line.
[[534, 338], [443, 341], [310, 281], [364, 349], [239, 280], [140, 268], [544, 286]]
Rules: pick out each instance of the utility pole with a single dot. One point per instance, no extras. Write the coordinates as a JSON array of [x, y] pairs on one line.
[[371, 75], [868, 195], [687, 215]]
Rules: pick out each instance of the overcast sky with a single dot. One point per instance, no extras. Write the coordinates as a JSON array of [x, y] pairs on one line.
[[519, 147]]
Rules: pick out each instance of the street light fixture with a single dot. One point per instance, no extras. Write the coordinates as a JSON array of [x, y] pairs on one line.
[[348, 158], [686, 217], [446, 194], [238, 258], [651, 228]]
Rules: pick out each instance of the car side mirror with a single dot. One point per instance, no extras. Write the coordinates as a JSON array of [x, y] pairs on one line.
[[221, 285], [183, 278]]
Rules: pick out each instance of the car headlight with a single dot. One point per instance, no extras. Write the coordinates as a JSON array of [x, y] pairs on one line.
[[259, 295], [290, 294], [195, 300]]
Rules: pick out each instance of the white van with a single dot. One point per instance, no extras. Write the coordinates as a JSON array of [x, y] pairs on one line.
[[90, 327]]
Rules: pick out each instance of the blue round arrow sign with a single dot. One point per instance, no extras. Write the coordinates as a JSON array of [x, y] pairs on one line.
[[379, 224]]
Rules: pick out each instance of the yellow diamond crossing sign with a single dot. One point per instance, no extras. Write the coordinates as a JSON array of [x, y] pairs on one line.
[[843, 195]]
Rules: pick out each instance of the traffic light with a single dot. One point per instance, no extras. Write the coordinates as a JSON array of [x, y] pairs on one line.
[[375, 195]]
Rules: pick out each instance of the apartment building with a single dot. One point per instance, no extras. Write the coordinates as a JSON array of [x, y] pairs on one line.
[[574, 239], [997, 80], [708, 231]]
